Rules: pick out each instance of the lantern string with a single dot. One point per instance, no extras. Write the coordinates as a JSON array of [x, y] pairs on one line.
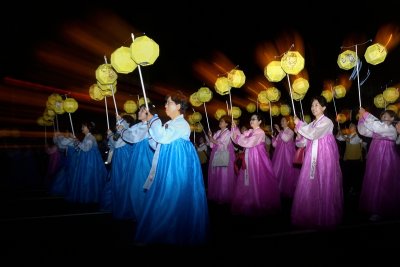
[[334, 105], [205, 111], [105, 104], [141, 80], [355, 45], [291, 95], [112, 91], [285, 52]]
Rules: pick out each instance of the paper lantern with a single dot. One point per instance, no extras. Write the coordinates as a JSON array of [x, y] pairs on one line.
[[274, 72], [292, 62], [108, 89], [142, 102], [198, 128], [194, 100], [192, 127], [50, 112], [285, 110], [393, 107], [251, 107], [52, 99], [297, 96], [105, 74], [122, 61], [379, 101], [70, 105], [328, 95], [99, 137], [236, 112], [236, 78], [391, 94], [190, 119], [42, 122], [264, 107], [341, 118], [219, 113], [130, 106], [347, 60], [95, 92], [307, 118], [340, 91], [144, 51], [204, 94], [196, 116], [47, 117], [263, 97], [273, 94], [275, 110], [300, 86], [59, 107], [375, 54], [222, 85]]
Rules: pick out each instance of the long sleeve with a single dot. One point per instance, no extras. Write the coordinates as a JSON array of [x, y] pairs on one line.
[[370, 126], [87, 143], [135, 133], [316, 129], [171, 131], [222, 137], [250, 138]]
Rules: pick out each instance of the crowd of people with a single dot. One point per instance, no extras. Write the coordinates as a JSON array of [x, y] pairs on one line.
[[158, 177]]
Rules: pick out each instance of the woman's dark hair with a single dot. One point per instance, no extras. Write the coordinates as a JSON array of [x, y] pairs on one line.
[[321, 100], [152, 108], [129, 119], [390, 112], [180, 99], [259, 117], [228, 120], [90, 125]]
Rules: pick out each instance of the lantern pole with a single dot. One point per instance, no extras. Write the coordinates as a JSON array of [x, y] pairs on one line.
[[230, 99], [302, 113], [105, 103], [270, 117], [112, 91], [205, 111], [72, 126], [141, 79], [58, 129], [291, 96], [257, 104], [334, 105], [358, 79], [227, 108]]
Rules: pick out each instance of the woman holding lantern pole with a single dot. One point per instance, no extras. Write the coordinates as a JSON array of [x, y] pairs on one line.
[[221, 175], [175, 211]]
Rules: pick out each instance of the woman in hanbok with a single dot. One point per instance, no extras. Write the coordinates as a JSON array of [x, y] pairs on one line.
[[318, 199], [221, 179], [380, 192], [175, 210], [257, 190]]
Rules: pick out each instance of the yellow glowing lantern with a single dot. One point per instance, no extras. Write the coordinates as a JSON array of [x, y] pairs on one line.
[[47, 117], [328, 95], [204, 94], [196, 116], [144, 51], [300, 86], [307, 118], [95, 92], [340, 91], [142, 102], [273, 94], [341, 118], [50, 112], [347, 59], [375, 54], [190, 119], [292, 62], [194, 100], [59, 107], [192, 127], [236, 78], [222, 85], [130, 106], [219, 113], [108, 89], [274, 72], [236, 112], [379, 101], [297, 96], [393, 107], [99, 137], [198, 128], [42, 122], [105, 74], [70, 105], [263, 97], [251, 107], [122, 61], [52, 99], [264, 107], [391, 94], [285, 110], [275, 110]]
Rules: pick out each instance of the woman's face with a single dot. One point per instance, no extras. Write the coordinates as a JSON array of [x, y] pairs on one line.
[[85, 129], [171, 108], [254, 122], [386, 118], [284, 122], [316, 109], [142, 114], [222, 124]]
